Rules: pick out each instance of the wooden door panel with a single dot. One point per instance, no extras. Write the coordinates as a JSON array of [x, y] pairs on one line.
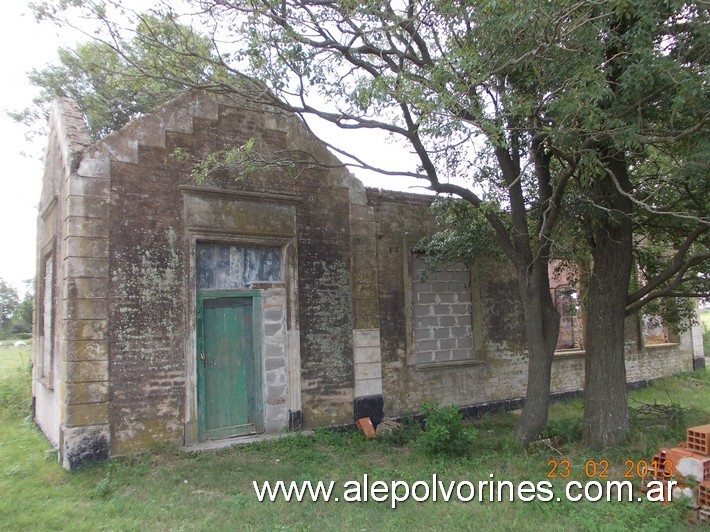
[[227, 360]]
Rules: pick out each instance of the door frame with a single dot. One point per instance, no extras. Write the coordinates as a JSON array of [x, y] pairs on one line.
[[257, 406]]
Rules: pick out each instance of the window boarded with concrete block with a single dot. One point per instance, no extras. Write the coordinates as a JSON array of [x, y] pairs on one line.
[[442, 324]]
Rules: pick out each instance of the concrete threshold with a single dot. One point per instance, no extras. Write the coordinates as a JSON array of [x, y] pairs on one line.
[[213, 445]]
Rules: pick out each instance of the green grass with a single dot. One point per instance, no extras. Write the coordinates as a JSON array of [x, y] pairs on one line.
[[168, 489], [12, 357]]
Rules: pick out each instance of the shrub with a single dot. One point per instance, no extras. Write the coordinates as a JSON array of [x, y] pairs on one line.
[[444, 432]]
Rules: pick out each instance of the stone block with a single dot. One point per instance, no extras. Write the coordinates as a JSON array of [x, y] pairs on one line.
[[82, 445], [367, 387], [87, 208], [361, 213], [426, 298], [87, 288], [276, 394], [364, 244], [446, 298], [462, 308], [421, 311], [272, 363], [87, 392], [366, 307], [86, 329], [427, 345], [94, 187], [457, 287], [272, 315], [424, 334], [272, 329], [366, 355], [365, 291], [86, 414], [275, 422], [424, 357], [447, 343], [442, 355], [85, 309], [86, 267], [441, 332], [460, 332], [275, 378], [461, 354], [464, 343], [366, 338], [428, 321], [366, 322], [77, 351], [444, 320], [442, 275], [463, 321], [87, 371], [362, 228], [368, 370]]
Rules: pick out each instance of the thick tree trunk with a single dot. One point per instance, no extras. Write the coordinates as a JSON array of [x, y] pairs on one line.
[[542, 323], [606, 417]]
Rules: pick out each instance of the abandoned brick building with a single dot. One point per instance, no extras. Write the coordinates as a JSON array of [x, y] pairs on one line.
[[171, 312]]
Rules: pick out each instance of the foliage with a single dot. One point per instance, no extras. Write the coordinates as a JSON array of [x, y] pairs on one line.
[[464, 234], [444, 432], [22, 317], [9, 301], [236, 162], [583, 113], [113, 87]]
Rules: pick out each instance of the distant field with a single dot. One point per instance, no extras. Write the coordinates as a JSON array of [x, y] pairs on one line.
[[705, 321], [12, 357]]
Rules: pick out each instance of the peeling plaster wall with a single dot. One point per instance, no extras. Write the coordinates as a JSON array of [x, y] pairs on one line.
[[124, 217], [156, 216]]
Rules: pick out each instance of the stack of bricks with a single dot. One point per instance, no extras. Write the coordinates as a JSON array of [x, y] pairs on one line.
[[690, 461], [699, 442]]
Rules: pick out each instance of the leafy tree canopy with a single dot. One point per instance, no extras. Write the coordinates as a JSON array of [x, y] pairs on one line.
[[8, 302], [592, 114], [114, 83]]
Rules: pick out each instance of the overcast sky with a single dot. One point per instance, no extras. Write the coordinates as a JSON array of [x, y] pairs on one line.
[[27, 44]]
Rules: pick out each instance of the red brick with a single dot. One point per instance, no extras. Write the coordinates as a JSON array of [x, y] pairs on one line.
[[699, 439]]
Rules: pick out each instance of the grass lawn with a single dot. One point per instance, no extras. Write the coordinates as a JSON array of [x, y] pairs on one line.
[[12, 357], [168, 489]]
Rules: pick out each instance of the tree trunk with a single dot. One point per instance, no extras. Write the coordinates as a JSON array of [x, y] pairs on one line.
[[606, 416], [542, 323]]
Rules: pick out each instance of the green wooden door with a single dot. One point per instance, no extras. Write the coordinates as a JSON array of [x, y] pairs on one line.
[[226, 367]]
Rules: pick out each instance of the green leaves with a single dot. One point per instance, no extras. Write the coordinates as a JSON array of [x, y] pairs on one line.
[[116, 81], [444, 432]]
